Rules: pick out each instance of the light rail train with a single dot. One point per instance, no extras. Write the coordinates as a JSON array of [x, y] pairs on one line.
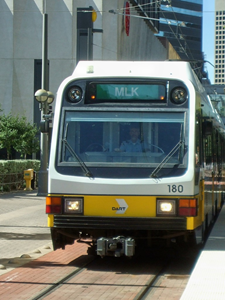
[[136, 156]]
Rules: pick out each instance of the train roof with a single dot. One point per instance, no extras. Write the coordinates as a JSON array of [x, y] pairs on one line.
[[157, 69]]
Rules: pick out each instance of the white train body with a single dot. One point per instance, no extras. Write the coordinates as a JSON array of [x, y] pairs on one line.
[[99, 173]]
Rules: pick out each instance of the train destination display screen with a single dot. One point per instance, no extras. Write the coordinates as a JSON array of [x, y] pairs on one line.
[[104, 92]]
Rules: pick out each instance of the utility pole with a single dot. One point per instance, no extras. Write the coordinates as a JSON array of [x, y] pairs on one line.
[[43, 173]]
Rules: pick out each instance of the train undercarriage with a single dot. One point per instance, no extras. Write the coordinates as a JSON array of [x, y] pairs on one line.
[[120, 243]]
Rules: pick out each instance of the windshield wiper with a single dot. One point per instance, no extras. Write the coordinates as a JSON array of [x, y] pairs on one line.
[[85, 169], [168, 156]]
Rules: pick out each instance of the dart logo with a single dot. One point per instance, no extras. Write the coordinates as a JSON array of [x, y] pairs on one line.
[[122, 206]]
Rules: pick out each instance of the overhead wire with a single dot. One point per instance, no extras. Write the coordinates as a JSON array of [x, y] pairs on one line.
[[168, 23], [186, 48], [150, 3], [180, 28]]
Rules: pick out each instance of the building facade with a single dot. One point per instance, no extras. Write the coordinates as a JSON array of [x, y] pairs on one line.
[[181, 24], [219, 74], [120, 32]]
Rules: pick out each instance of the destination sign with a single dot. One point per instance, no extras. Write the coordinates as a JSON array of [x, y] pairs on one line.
[[129, 92]]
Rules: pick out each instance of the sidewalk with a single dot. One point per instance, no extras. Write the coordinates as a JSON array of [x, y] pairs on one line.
[[23, 229]]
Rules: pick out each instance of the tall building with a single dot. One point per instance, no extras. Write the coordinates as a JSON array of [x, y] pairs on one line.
[[219, 74], [181, 24], [123, 30]]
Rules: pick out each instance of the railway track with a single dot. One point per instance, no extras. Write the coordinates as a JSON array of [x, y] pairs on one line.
[[65, 274], [122, 279], [112, 278]]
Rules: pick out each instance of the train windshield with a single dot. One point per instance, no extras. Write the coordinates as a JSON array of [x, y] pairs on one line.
[[122, 144]]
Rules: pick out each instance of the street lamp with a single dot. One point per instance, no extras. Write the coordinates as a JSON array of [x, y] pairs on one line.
[[50, 98], [41, 95], [45, 98]]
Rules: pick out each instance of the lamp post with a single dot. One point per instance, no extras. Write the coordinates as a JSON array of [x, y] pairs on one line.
[[45, 98]]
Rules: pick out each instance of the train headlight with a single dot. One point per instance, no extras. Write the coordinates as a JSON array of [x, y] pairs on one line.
[[73, 205], [179, 95], [166, 207], [74, 94]]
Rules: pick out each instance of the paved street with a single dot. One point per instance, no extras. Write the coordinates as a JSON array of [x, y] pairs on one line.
[[23, 228]]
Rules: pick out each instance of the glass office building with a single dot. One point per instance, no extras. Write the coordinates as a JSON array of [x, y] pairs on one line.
[[149, 10], [219, 74], [181, 24]]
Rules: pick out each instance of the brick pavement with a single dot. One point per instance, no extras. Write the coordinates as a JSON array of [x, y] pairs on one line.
[[169, 287], [123, 280], [25, 283]]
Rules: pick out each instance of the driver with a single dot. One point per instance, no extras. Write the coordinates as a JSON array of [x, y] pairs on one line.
[[134, 144]]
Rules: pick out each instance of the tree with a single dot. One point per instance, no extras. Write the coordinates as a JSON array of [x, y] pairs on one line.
[[8, 132], [16, 133], [28, 142]]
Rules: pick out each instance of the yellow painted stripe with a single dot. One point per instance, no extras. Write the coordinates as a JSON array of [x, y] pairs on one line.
[[50, 220]]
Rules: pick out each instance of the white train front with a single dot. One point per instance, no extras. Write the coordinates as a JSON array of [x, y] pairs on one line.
[[135, 151]]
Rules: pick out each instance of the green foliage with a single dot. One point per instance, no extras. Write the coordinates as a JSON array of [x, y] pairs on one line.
[[16, 133], [18, 165], [28, 142], [8, 133]]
